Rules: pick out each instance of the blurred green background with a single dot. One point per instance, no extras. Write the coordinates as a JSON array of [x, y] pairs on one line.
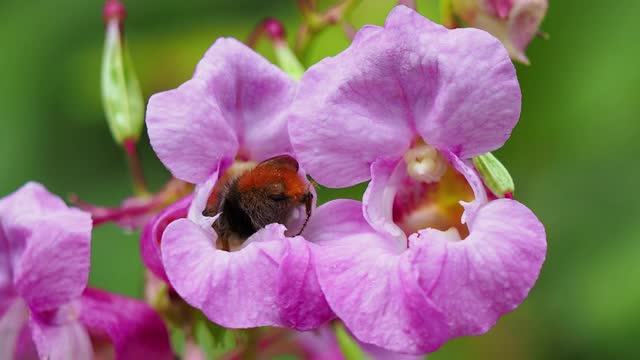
[[574, 154]]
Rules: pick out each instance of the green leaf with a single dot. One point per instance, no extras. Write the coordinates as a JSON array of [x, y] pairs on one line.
[[213, 338]]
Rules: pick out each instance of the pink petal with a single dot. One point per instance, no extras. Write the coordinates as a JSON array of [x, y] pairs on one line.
[[7, 293], [252, 94], [61, 342], [476, 280], [300, 298], [242, 289], [136, 331], [13, 318], [234, 105], [199, 203], [25, 347], [456, 89], [501, 7], [523, 24], [152, 235], [374, 290], [48, 244], [188, 131], [386, 177]]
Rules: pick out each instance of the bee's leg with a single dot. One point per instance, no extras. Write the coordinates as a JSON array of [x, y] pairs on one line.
[[308, 204], [224, 241], [223, 235]]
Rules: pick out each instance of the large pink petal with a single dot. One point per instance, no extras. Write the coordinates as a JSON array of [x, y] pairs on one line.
[[374, 289], [457, 89], [489, 273], [188, 132], [49, 247], [252, 95], [234, 105], [135, 330], [234, 289]]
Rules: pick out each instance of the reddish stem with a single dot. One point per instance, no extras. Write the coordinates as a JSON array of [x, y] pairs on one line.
[[102, 215], [135, 167]]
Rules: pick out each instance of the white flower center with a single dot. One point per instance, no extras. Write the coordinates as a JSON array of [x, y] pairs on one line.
[[425, 163]]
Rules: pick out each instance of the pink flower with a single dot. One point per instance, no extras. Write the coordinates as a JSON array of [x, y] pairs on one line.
[[404, 106], [44, 268], [514, 22], [228, 117]]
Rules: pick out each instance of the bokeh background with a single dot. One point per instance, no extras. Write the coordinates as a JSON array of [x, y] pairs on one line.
[[574, 154]]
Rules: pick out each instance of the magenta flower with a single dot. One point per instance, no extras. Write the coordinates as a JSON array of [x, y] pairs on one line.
[[228, 117], [44, 268], [514, 22], [403, 106]]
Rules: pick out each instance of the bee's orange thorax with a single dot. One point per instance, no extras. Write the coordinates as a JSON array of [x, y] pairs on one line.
[[264, 175]]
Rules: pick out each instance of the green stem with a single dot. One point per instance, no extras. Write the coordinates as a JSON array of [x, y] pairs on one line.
[[315, 22], [348, 345], [446, 14]]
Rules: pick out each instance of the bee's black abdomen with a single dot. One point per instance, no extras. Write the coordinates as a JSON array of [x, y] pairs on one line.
[[238, 221]]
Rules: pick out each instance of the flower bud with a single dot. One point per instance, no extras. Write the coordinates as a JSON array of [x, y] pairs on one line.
[[273, 30], [494, 175], [514, 22], [121, 94]]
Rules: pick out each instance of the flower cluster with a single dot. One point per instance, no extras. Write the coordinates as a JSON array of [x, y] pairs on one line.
[[405, 106], [432, 252], [46, 309]]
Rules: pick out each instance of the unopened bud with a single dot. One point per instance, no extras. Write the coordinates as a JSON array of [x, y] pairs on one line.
[[494, 175], [286, 59], [514, 22], [121, 94]]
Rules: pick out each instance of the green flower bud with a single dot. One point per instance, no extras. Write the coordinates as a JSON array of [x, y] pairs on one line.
[[495, 175], [121, 94]]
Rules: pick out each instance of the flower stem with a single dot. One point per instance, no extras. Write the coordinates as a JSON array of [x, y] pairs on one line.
[[135, 167], [315, 22]]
